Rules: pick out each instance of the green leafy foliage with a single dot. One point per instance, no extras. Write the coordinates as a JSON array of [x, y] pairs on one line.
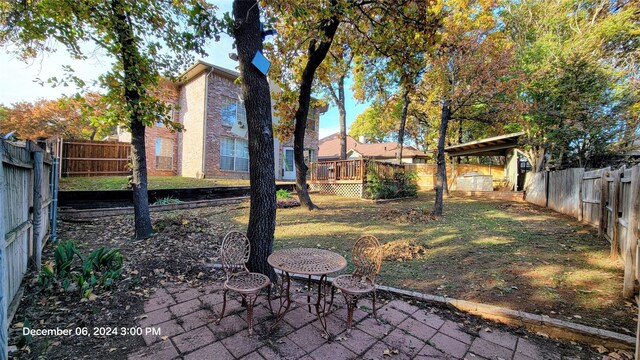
[[168, 200], [71, 271], [401, 184], [283, 194]]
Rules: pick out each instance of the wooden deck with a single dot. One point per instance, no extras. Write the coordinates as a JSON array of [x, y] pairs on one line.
[[350, 171]]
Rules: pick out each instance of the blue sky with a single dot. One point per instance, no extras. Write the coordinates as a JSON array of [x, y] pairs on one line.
[[19, 79]]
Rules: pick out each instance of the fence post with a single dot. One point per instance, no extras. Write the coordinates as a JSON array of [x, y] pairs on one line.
[[615, 175], [4, 303], [604, 195], [628, 289], [580, 200], [38, 171]]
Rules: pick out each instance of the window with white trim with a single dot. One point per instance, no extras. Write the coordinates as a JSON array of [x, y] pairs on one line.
[[164, 154], [232, 111], [234, 154]]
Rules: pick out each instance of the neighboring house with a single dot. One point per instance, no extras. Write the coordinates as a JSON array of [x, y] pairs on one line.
[[213, 144], [329, 149]]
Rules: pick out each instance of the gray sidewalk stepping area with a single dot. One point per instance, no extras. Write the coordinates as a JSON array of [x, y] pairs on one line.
[[185, 318]]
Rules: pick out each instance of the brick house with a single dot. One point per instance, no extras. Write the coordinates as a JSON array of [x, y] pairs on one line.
[[214, 142]]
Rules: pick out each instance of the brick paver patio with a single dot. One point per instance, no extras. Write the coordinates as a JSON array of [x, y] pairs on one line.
[[186, 319]]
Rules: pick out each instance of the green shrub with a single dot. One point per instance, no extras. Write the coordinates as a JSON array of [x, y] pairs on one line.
[[99, 270], [402, 185], [169, 200], [283, 194]]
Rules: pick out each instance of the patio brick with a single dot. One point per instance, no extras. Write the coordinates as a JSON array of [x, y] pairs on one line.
[[392, 315], [185, 308], [375, 329], [174, 288], [332, 351], [448, 345], [429, 352], [182, 296], [197, 319], [490, 350], [417, 329], [241, 344], [160, 299], [500, 337], [358, 341], [406, 343], [213, 299], [228, 326], [453, 329], [308, 338], [528, 348], [194, 339], [377, 352], [215, 351], [253, 356], [163, 350], [299, 317], [403, 306], [335, 324], [156, 317], [288, 349], [358, 315], [428, 318], [519, 356], [261, 313], [167, 328]]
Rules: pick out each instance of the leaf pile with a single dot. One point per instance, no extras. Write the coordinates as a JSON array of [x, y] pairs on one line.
[[403, 250], [413, 215]]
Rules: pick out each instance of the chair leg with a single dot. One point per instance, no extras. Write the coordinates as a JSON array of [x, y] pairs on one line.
[[250, 300], [224, 305], [269, 299], [375, 314], [352, 301]]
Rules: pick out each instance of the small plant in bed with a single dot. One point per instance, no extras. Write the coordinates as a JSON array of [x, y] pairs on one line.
[[169, 200], [284, 199], [71, 271]]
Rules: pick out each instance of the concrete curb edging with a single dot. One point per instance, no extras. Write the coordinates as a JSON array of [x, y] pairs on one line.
[[554, 328], [102, 212]]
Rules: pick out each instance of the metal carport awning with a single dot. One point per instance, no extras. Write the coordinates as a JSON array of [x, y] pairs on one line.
[[493, 146]]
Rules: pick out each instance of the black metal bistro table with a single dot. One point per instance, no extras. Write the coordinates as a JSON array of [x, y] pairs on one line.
[[310, 262]]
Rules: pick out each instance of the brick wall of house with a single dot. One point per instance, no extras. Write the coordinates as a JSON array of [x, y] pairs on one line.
[[151, 133], [219, 86]]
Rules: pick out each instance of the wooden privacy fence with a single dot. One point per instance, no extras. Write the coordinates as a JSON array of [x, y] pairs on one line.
[[25, 203], [607, 199], [95, 158]]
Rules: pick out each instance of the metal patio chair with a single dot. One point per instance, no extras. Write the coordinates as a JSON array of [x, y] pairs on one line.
[[234, 254], [367, 257]]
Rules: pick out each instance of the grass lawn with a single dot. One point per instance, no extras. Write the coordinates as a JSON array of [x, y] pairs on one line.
[[155, 182], [508, 254]]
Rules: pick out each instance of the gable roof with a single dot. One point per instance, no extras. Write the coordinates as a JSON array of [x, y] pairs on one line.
[[329, 148]]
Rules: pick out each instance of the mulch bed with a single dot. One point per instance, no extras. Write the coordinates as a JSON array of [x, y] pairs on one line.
[[183, 251]]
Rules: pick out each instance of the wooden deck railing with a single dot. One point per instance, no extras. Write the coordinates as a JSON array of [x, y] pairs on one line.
[[351, 170]]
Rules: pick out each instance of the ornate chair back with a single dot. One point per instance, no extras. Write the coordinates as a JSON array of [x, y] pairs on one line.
[[367, 257], [234, 253]]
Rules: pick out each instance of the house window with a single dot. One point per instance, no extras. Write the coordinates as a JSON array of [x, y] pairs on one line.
[[234, 154], [310, 155], [233, 112], [164, 154]]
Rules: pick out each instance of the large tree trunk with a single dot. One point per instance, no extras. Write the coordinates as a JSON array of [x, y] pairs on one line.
[[133, 93], [317, 52], [403, 121], [441, 177], [343, 119], [257, 100]]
